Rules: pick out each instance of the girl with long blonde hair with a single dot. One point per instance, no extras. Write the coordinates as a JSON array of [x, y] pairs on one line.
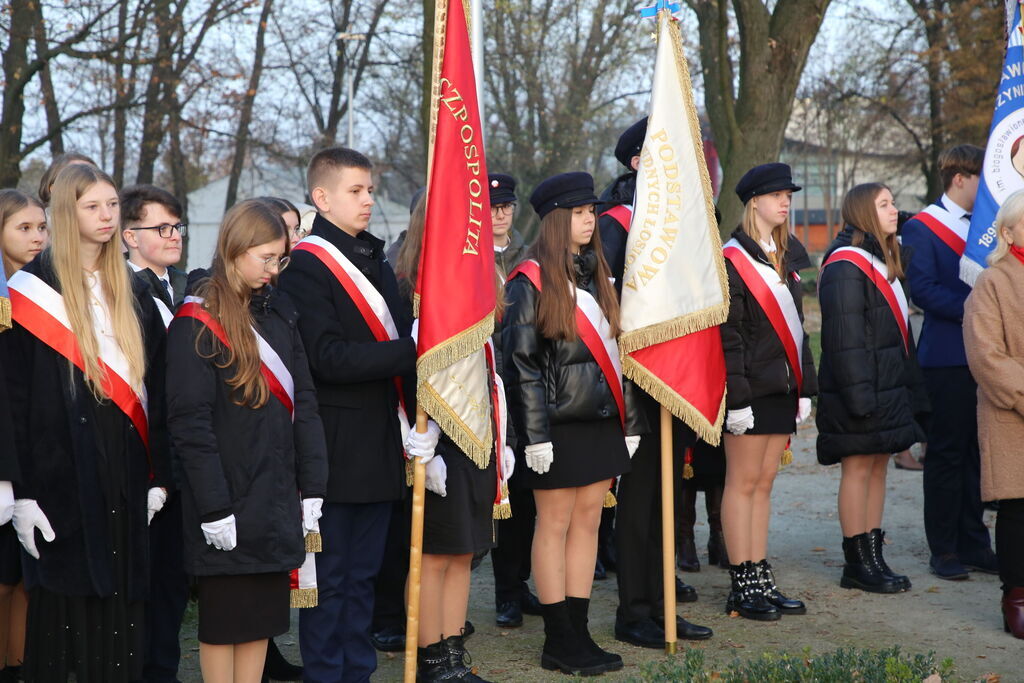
[[86, 379], [243, 417]]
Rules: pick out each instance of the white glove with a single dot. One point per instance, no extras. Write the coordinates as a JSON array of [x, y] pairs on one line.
[[27, 518], [632, 443], [803, 410], [739, 421], [155, 500], [508, 463], [221, 534], [437, 475], [6, 502], [415, 333], [539, 456], [311, 512], [422, 445]]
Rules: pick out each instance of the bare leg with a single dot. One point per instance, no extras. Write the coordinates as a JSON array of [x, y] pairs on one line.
[[554, 513], [744, 456], [456, 594], [249, 660], [853, 494], [762, 499], [432, 598], [581, 541], [217, 663], [876, 492]]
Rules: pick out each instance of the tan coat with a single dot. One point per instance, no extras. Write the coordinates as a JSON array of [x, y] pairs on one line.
[[994, 338]]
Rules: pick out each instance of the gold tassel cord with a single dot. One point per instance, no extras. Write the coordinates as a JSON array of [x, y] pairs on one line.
[[314, 542], [687, 471], [5, 314], [304, 597], [787, 458], [609, 500], [502, 511]]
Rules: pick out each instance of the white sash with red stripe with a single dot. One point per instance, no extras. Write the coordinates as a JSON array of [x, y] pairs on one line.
[[279, 379], [947, 227], [878, 273], [39, 308], [775, 299], [595, 332], [364, 295]]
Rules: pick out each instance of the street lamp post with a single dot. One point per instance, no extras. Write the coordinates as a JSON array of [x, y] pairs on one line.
[[351, 89]]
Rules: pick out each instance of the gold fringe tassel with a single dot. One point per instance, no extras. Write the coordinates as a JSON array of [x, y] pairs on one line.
[[304, 597], [687, 471], [709, 432], [787, 458], [5, 314], [502, 511], [314, 542], [677, 327], [410, 467], [456, 348], [452, 425], [609, 500]]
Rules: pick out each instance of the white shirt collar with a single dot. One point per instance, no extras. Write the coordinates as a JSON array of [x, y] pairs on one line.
[[954, 208]]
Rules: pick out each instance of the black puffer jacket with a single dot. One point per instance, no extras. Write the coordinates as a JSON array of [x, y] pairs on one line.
[[754, 356], [554, 381], [252, 463], [870, 388]]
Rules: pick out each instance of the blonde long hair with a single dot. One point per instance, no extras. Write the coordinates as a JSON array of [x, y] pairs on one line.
[[64, 256], [1010, 213], [226, 296]]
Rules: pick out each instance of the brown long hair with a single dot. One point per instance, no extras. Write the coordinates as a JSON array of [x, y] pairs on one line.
[[11, 202], [556, 305], [859, 212], [226, 295], [780, 235], [65, 257]]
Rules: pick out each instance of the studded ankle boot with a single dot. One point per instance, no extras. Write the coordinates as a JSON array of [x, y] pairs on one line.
[[746, 596], [772, 594]]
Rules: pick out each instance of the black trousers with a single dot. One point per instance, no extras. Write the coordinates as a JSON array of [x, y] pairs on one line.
[[952, 468], [389, 589], [168, 594], [638, 521], [1010, 542], [510, 559]]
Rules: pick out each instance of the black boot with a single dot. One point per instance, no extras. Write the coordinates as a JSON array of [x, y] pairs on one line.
[[564, 650], [459, 668], [746, 597], [432, 663], [772, 594], [860, 570], [579, 609], [686, 549], [717, 553], [277, 668], [877, 540]]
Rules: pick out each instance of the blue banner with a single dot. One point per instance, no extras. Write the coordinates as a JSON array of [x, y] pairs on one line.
[[1002, 173]]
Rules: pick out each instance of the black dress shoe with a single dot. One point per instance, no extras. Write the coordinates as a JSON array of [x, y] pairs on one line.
[[509, 614], [389, 639], [644, 633], [948, 567], [599, 572], [687, 559], [984, 562], [685, 592], [530, 604], [468, 629], [685, 630]]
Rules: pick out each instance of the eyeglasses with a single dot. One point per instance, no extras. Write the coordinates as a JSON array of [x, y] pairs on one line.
[[272, 262], [300, 231], [167, 230], [503, 209]]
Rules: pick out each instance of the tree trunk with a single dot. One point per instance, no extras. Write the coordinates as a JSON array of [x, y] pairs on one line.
[[121, 88], [245, 116], [153, 128], [53, 123], [428, 75], [15, 58]]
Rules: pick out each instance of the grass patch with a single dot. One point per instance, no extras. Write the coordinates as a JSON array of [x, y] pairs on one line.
[[840, 666]]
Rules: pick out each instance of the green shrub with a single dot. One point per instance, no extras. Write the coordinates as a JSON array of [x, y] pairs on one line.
[[840, 666]]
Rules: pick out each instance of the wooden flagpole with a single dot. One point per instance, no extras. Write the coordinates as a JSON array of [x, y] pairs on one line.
[[412, 608], [668, 533]]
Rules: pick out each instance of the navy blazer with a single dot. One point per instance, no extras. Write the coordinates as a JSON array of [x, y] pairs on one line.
[[936, 288]]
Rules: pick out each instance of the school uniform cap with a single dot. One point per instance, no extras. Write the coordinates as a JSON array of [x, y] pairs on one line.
[[502, 187], [563, 191], [631, 142], [765, 179]]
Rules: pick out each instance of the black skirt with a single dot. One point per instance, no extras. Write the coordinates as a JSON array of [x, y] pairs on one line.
[[775, 414], [462, 521], [585, 452], [240, 608], [10, 556]]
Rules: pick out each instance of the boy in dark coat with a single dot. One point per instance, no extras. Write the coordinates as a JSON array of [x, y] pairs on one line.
[[354, 374]]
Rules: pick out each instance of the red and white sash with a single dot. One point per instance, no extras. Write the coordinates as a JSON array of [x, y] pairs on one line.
[[947, 227], [595, 332], [275, 372], [878, 273], [622, 213], [775, 299], [39, 308], [364, 295]]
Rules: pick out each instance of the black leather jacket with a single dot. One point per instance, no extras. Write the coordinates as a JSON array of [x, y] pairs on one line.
[[554, 381]]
